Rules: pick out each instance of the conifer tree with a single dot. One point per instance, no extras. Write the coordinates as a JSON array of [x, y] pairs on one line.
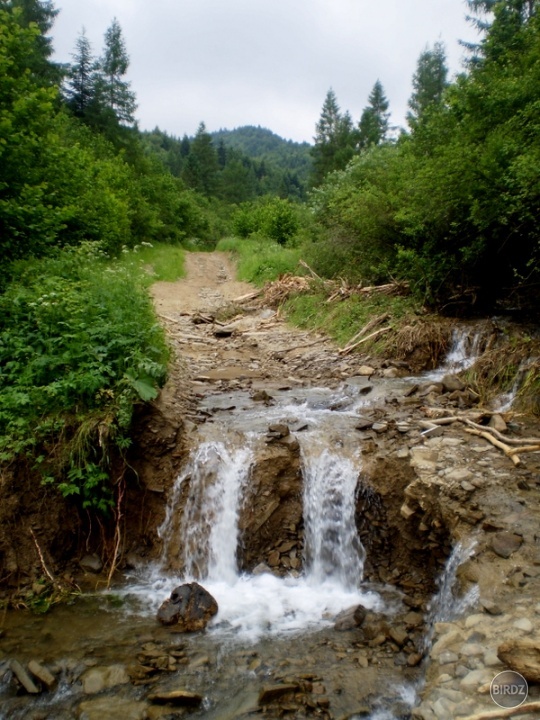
[[116, 93], [335, 140], [373, 127], [429, 82], [43, 14], [83, 79]]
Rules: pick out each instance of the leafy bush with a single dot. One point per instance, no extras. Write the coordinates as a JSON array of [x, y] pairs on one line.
[[275, 218], [79, 348]]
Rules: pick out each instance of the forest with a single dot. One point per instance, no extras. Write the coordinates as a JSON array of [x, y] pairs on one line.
[[448, 205]]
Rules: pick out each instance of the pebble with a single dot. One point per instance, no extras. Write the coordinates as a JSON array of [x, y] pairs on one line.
[[523, 624]]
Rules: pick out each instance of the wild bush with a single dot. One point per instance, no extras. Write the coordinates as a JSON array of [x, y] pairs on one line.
[[79, 348]]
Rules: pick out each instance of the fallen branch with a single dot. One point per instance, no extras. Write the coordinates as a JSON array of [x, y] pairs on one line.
[[500, 436], [504, 712], [305, 345], [367, 327], [247, 296], [507, 450], [372, 336]]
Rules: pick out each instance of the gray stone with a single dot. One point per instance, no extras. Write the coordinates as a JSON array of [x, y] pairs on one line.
[[523, 624], [497, 423], [98, 679], [447, 657], [365, 370], [189, 609], [451, 383], [505, 544], [112, 708], [91, 563], [351, 618], [271, 693]]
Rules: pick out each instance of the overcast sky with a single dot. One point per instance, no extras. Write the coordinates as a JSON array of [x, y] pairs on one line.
[[264, 62]]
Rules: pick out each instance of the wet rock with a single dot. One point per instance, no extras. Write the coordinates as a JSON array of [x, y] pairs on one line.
[[351, 618], [190, 608], [41, 673], [380, 427], [451, 383], [490, 607], [112, 708], [365, 370], [523, 656], [271, 693], [505, 544], [273, 558], [23, 677], [363, 424], [91, 563], [98, 679], [260, 569], [184, 698], [262, 396], [278, 430]]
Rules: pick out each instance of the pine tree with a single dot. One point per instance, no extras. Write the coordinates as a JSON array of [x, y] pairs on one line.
[[335, 140], [116, 92], [429, 82], [373, 127], [83, 78]]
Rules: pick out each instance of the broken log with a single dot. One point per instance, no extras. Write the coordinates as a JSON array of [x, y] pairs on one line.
[[372, 336]]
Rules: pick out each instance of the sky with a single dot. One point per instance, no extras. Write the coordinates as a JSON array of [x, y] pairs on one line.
[[265, 62]]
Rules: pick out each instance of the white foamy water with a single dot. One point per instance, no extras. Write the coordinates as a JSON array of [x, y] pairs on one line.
[[253, 606], [464, 352]]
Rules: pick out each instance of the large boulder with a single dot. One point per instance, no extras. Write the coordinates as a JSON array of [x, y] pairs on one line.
[[190, 608], [523, 656]]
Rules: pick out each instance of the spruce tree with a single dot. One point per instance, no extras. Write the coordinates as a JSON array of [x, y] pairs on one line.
[[429, 82], [116, 92], [43, 14], [373, 127], [83, 78], [335, 140]]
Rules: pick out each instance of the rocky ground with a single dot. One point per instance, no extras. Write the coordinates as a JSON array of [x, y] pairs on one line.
[[429, 481]]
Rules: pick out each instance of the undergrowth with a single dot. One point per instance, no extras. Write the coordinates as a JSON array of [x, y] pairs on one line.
[[79, 348], [259, 259], [341, 320]]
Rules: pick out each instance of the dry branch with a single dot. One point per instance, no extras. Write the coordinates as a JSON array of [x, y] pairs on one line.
[[504, 712], [310, 271], [367, 327], [507, 450], [372, 336], [247, 296], [44, 567]]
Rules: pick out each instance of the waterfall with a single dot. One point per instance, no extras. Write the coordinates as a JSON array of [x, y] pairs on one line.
[[207, 536], [333, 548], [201, 542]]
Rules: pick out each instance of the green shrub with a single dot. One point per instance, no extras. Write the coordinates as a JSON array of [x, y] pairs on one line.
[[260, 260], [79, 348], [272, 217]]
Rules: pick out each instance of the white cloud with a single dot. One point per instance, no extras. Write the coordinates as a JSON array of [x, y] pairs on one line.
[[267, 62]]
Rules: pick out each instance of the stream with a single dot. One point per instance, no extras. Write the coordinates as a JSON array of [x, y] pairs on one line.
[[269, 629]]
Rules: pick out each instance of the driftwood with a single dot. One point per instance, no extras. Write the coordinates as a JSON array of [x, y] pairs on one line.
[[369, 326], [505, 712], [372, 336], [247, 296], [507, 450]]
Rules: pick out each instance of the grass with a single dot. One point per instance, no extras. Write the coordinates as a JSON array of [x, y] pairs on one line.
[[342, 320], [160, 261], [259, 259]]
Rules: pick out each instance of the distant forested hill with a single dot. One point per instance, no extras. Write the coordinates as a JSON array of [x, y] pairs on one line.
[[262, 144]]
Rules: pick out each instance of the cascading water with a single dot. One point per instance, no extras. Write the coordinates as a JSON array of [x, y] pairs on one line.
[[201, 543], [333, 548]]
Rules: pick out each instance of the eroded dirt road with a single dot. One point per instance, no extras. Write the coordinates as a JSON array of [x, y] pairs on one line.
[[423, 485]]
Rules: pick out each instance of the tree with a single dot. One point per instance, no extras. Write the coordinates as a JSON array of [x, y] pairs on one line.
[[81, 87], [373, 127], [429, 82], [201, 168], [335, 140], [42, 14], [116, 92]]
